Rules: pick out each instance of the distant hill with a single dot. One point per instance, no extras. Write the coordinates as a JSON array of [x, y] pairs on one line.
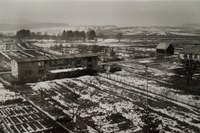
[[11, 27], [191, 25]]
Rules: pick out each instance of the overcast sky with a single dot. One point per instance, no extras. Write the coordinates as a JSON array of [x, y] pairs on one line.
[[97, 12]]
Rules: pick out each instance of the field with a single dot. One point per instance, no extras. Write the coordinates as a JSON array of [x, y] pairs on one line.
[[108, 105]]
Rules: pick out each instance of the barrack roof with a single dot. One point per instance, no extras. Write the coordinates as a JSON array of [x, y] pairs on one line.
[[52, 57], [191, 49], [163, 46]]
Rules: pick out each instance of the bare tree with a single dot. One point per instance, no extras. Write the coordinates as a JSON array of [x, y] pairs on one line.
[[190, 66], [151, 122], [119, 36], [76, 113]]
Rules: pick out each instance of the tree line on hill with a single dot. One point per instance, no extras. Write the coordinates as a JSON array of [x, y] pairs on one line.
[[21, 34], [73, 35], [66, 35], [79, 35]]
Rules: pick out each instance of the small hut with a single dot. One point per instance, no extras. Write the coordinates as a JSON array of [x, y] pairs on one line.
[[165, 48]]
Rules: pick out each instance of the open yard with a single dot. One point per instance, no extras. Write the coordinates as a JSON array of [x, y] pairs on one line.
[[106, 105]]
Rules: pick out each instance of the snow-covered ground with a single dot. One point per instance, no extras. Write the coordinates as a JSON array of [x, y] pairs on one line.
[[110, 97], [100, 42], [107, 104], [136, 74], [6, 94]]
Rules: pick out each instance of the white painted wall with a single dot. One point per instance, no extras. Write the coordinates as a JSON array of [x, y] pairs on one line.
[[14, 68]]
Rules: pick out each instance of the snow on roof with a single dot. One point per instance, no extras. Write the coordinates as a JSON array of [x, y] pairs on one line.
[[67, 70], [53, 57], [5, 55], [163, 46], [44, 85], [110, 40]]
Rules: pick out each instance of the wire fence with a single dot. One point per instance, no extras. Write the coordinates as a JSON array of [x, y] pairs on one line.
[[143, 89]]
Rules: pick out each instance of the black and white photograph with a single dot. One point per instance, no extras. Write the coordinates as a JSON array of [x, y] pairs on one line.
[[99, 66]]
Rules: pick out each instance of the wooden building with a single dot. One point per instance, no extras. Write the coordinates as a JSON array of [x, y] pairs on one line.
[[51, 67], [165, 48], [190, 52]]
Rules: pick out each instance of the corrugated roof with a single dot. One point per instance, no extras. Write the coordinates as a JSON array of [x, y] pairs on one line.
[[52, 57], [191, 49], [163, 46]]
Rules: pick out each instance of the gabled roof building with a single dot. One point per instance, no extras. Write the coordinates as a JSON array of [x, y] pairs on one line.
[[165, 48]]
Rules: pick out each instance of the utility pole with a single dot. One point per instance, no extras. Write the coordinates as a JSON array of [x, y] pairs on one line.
[[165, 56], [147, 109], [146, 71]]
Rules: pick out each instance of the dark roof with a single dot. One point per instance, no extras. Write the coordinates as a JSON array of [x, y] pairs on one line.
[[191, 49], [53, 57], [163, 46]]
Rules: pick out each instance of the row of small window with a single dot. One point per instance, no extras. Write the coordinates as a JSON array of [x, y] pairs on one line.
[[41, 63], [31, 64], [55, 62], [30, 72]]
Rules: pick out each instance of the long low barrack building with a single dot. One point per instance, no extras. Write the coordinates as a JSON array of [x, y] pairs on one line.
[[51, 67]]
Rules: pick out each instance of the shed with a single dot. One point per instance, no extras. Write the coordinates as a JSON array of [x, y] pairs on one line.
[[165, 48]]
